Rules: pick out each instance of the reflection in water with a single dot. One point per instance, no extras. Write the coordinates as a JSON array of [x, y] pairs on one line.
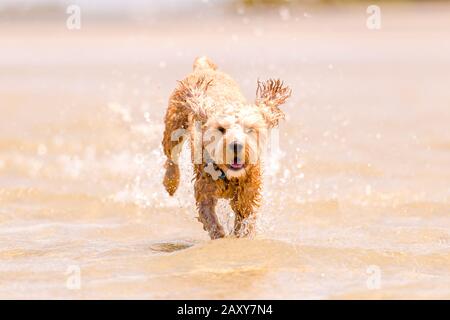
[[168, 247]]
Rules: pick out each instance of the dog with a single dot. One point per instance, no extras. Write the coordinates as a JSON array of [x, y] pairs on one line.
[[227, 135]]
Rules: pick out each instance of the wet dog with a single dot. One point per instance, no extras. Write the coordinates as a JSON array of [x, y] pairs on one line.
[[226, 135]]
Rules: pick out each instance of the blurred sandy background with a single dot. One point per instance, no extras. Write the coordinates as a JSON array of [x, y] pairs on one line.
[[356, 204]]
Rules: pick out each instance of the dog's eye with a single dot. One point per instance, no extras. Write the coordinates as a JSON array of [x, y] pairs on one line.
[[249, 130], [221, 129]]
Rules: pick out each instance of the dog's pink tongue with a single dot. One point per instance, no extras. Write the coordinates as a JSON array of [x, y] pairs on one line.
[[236, 165]]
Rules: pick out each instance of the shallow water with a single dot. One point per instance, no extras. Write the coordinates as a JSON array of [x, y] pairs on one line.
[[356, 203]]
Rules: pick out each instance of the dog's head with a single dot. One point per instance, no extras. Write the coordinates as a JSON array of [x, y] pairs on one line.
[[234, 134]]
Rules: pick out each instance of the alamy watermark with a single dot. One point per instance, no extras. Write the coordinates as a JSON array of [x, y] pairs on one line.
[[373, 22], [373, 281], [73, 21], [73, 281]]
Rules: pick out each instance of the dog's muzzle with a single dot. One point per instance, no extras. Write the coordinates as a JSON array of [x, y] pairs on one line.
[[236, 148]]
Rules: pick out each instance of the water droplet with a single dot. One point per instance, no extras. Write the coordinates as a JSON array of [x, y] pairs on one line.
[[285, 13], [42, 150]]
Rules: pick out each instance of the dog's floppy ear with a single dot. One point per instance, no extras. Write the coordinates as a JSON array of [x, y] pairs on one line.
[[193, 96], [270, 95]]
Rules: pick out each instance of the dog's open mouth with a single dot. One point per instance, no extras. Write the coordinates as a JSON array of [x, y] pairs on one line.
[[236, 165]]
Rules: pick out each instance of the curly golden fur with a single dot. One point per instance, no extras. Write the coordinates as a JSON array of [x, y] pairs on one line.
[[226, 135]]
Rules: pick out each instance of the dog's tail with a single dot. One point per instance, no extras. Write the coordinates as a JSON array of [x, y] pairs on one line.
[[204, 63]]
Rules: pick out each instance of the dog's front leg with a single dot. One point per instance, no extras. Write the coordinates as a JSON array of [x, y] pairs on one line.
[[244, 225], [207, 216], [206, 198], [244, 206]]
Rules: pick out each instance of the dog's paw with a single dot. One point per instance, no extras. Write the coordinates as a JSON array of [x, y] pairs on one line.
[[171, 178]]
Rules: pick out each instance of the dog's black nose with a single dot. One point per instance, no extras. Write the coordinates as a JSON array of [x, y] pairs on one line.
[[236, 146]]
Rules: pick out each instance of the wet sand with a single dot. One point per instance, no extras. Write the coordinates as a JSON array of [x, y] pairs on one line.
[[356, 204]]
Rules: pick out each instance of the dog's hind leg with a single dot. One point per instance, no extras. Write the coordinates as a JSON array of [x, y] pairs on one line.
[[171, 177], [176, 122]]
